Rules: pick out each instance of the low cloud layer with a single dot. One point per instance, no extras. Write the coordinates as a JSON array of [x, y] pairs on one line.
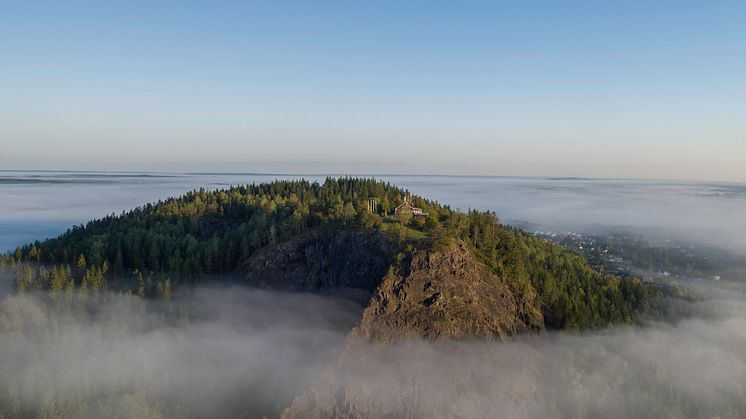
[[695, 368], [209, 353], [708, 213], [235, 352], [34, 206]]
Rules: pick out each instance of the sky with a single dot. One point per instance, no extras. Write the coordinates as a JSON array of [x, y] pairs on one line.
[[652, 89]]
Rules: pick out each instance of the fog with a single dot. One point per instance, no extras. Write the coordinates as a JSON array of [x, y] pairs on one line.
[[212, 352], [706, 213], [234, 352], [695, 368], [35, 205]]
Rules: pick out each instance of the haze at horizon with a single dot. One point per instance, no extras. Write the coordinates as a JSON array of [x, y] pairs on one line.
[[640, 89]]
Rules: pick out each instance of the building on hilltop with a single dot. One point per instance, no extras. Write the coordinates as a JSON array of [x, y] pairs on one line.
[[406, 207]]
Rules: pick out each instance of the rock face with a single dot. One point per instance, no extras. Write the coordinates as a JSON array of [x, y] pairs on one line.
[[441, 295], [436, 295], [323, 260]]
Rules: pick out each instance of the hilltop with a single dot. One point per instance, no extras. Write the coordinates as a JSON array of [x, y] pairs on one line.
[[437, 272]]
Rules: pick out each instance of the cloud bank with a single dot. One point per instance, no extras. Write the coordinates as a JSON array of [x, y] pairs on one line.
[[236, 352]]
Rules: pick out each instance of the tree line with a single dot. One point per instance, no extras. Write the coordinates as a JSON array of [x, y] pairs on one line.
[[209, 233]]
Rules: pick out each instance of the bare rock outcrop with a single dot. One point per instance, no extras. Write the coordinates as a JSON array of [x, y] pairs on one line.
[[416, 347], [323, 260], [444, 294]]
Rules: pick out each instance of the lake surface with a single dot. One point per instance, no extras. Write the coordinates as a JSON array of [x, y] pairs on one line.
[[38, 205]]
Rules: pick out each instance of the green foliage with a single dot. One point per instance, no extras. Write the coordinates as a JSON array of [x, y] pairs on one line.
[[81, 264], [94, 279], [209, 233], [555, 280], [205, 234], [164, 289], [59, 279]]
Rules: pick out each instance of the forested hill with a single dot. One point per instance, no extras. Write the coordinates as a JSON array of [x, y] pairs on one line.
[[206, 234]]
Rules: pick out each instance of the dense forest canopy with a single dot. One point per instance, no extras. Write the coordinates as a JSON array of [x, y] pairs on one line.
[[204, 234]]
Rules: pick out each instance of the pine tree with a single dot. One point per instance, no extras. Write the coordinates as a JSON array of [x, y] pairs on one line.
[[81, 264]]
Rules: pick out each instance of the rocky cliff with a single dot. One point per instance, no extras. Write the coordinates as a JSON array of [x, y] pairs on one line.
[[443, 294], [439, 295], [323, 260], [434, 294]]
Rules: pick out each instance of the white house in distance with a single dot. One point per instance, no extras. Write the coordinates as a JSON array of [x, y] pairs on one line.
[[407, 208]]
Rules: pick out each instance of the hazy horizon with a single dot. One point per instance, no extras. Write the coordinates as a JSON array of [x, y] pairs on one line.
[[226, 172], [37, 205], [577, 89]]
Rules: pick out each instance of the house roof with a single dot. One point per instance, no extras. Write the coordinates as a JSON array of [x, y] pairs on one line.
[[408, 204]]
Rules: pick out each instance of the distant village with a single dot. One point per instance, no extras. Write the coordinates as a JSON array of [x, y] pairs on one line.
[[605, 259]]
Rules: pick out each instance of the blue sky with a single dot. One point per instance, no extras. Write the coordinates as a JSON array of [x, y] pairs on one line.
[[560, 88]]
